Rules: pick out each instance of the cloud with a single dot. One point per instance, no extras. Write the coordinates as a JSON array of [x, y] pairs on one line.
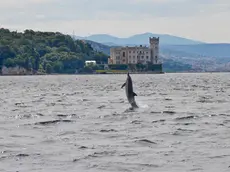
[[103, 9], [21, 3], [198, 19]]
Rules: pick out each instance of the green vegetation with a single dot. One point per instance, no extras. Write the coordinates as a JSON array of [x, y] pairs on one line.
[[46, 52]]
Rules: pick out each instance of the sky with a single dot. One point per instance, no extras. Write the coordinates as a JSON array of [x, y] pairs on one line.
[[203, 20]]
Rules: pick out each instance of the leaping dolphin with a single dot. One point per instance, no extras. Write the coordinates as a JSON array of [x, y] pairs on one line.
[[129, 91]]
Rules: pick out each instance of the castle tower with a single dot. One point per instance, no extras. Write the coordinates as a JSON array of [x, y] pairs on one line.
[[154, 49]]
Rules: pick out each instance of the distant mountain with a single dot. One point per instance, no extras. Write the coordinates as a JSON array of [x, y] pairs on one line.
[[139, 39], [207, 50], [202, 57]]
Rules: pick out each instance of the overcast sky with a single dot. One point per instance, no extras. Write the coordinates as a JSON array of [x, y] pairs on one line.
[[204, 20]]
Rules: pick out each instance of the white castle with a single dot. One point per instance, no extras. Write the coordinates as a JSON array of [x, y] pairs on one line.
[[137, 54]]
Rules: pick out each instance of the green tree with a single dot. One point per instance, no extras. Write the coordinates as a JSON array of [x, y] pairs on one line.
[[9, 62], [58, 67], [49, 68]]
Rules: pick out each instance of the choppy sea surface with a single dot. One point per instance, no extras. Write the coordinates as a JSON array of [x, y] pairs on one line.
[[83, 123]]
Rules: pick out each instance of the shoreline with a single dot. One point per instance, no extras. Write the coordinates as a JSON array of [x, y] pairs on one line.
[[149, 73], [79, 74]]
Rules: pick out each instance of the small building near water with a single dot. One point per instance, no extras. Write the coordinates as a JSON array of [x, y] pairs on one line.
[[90, 62]]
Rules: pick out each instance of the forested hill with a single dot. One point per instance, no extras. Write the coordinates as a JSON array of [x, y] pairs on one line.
[[48, 52]]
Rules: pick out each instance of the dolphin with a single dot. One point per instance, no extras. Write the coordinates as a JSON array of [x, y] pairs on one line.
[[129, 91]]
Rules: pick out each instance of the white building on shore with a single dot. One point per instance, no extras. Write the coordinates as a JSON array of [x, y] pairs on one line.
[[137, 54]]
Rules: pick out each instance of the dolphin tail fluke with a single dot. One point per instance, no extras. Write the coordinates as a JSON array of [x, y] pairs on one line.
[[134, 94]]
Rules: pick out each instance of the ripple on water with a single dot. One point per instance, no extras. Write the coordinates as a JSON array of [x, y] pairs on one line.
[[169, 112], [51, 122], [186, 117]]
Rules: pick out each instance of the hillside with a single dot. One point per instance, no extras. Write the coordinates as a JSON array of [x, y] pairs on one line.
[[45, 52], [139, 39], [208, 50], [99, 47]]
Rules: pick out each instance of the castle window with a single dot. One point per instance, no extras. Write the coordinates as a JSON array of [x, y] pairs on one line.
[[147, 57], [129, 51], [123, 54], [133, 51]]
